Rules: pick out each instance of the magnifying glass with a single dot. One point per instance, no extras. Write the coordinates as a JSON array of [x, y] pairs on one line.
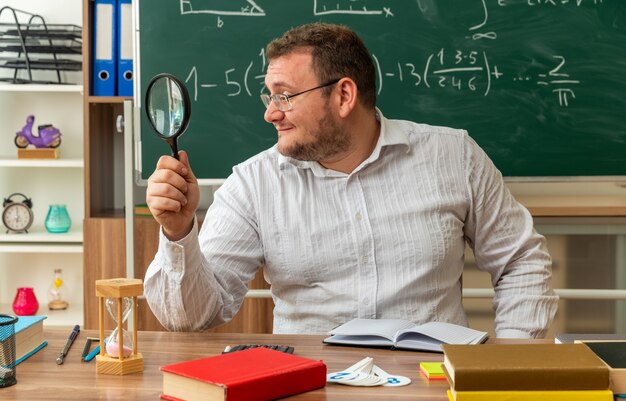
[[168, 108]]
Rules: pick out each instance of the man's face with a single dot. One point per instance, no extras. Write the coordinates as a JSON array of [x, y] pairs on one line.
[[311, 130]]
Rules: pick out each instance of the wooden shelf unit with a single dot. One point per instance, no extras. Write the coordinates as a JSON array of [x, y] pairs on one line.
[[104, 239]]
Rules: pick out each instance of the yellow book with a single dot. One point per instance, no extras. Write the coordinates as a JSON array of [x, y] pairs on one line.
[[562, 395]]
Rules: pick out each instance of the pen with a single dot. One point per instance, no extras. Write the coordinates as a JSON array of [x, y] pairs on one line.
[[68, 344], [93, 353]]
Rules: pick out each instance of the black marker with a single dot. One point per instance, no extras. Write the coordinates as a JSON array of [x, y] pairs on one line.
[[87, 348], [68, 344]]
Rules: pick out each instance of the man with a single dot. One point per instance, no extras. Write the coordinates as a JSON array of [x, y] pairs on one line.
[[351, 214]]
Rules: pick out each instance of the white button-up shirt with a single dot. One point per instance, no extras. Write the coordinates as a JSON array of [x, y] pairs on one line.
[[385, 241]]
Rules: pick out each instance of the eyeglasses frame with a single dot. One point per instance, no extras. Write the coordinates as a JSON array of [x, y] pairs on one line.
[[274, 98]]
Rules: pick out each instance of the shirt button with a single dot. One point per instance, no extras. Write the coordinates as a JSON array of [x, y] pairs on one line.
[[366, 301], [359, 216]]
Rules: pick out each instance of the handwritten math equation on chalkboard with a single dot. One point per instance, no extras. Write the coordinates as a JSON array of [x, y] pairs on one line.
[[461, 70], [250, 8]]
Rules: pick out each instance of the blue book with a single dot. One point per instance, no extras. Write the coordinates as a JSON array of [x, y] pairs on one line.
[[28, 337]]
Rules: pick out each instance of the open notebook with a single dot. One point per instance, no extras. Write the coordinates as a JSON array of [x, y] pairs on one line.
[[400, 333]]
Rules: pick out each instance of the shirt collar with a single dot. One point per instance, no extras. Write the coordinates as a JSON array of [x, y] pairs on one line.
[[389, 136]]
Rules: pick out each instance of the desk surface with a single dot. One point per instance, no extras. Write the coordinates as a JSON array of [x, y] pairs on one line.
[[40, 378]]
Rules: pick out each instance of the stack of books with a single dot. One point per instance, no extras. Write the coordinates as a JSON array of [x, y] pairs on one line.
[[525, 372]]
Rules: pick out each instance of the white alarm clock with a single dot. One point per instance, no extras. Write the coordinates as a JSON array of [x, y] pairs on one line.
[[17, 216]]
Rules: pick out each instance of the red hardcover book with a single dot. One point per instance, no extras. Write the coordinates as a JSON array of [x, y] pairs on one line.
[[254, 374]]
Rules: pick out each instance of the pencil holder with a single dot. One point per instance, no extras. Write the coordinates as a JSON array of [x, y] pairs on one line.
[[7, 350], [117, 299]]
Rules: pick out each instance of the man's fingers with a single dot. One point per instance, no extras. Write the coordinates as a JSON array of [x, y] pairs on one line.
[[184, 159], [165, 176], [172, 195], [164, 196], [170, 163], [164, 205]]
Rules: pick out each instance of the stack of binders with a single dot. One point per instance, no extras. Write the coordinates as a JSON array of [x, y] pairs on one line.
[[112, 58], [525, 372]]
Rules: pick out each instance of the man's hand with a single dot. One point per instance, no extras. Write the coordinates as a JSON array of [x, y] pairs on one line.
[[173, 195]]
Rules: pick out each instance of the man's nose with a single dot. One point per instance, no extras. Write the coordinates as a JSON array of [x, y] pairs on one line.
[[272, 113]]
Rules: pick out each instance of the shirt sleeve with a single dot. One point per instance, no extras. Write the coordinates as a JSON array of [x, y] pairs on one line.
[[501, 233], [200, 281]]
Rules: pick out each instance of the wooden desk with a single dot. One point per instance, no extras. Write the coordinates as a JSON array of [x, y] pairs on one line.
[[40, 378]]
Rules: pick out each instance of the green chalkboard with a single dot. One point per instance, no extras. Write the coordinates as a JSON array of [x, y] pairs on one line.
[[540, 84]]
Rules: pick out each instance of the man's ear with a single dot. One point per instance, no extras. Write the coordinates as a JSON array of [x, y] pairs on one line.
[[348, 93]]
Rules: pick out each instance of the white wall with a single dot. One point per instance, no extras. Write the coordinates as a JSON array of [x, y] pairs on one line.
[[53, 11]]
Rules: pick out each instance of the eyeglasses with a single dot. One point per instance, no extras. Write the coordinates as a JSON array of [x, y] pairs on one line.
[[283, 102]]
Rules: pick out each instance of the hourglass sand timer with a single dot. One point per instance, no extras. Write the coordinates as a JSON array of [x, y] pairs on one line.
[[118, 299]]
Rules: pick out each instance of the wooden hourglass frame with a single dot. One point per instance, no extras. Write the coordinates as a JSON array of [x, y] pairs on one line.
[[118, 288]]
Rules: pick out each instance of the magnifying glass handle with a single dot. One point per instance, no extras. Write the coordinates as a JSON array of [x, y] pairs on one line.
[[174, 146]]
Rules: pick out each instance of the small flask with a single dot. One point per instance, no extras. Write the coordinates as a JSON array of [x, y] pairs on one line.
[[58, 220], [55, 296], [25, 302]]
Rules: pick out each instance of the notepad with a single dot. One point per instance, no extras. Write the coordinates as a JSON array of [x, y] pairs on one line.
[[432, 370], [403, 334]]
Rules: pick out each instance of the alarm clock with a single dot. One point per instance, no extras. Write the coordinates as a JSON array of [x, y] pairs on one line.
[[17, 216]]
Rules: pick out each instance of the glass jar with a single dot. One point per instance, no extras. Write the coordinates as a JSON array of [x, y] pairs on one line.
[[58, 220], [25, 302], [55, 295]]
